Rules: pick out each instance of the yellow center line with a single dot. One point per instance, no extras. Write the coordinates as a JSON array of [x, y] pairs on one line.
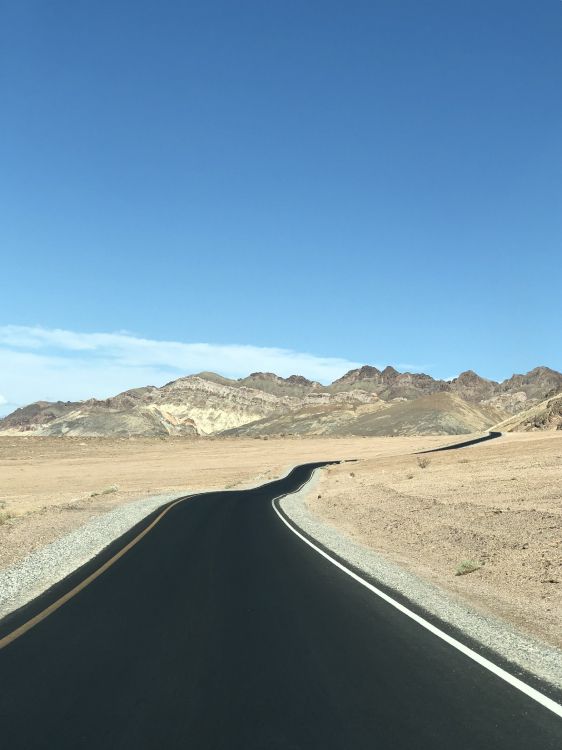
[[7, 639]]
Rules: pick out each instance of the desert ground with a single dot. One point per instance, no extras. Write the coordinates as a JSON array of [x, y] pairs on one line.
[[495, 507]]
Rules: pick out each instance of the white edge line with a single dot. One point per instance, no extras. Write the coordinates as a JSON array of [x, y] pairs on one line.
[[486, 663]]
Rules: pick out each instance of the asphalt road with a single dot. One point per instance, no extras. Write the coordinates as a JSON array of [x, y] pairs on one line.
[[222, 629], [465, 444]]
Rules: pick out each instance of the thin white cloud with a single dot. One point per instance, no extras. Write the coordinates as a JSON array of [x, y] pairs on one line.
[[53, 364], [5, 406]]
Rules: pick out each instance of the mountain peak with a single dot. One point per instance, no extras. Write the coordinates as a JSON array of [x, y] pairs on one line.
[[361, 373], [542, 370], [298, 380], [262, 376], [389, 372], [473, 387], [469, 376]]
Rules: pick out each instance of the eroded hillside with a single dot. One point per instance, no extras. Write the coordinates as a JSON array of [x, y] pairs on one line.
[[365, 401]]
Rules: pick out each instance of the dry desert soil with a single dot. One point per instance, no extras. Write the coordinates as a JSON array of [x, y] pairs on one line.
[[497, 506], [494, 509]]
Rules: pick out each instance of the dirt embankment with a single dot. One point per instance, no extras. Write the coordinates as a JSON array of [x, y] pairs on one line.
[[494, 509]]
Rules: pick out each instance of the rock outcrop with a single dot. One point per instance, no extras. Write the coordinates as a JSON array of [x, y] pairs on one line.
[[546, 415]]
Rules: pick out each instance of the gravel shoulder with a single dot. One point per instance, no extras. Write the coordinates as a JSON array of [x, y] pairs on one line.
[[45, 566], [491, 511], [520, 649]]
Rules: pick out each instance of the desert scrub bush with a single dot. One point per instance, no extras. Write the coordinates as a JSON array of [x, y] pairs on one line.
[[423, 462], [5, 516], [467, 566], [409, 475]]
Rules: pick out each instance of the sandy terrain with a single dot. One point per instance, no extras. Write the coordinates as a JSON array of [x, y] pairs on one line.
[[51, 485], [498, 505]]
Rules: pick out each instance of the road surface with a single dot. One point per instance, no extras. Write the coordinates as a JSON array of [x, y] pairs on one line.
[[467, 443], [222, 629]]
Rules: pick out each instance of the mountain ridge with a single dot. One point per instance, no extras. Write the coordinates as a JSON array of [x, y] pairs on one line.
[[265, 403]]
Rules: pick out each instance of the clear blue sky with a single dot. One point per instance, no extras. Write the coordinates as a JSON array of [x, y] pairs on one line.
[[376, 181]]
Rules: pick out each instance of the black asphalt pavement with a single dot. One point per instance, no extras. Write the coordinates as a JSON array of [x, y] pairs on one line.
[[222, 629], [465, 444]]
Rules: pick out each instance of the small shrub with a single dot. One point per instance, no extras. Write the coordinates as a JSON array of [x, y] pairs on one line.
[[463, 461], [5, 516], [351, 473], [409, 475], [423, 462], [467, 566]]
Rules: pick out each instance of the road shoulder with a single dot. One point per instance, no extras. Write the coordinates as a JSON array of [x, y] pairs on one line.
[[525, 656]]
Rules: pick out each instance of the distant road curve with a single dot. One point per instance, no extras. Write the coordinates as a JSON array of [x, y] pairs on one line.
[[466, 444], [219, 628]]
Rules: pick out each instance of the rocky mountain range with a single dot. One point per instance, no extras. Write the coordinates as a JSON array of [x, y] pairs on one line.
[[365, 401]]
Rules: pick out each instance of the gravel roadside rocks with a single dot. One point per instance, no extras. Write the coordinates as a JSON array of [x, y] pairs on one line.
[[22, 582], [530, 654]]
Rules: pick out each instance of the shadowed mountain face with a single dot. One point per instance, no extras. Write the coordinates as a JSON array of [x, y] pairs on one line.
[[365, 401]]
